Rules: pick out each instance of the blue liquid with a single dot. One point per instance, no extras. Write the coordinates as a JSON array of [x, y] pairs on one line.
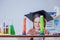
[[24, 34], [41, 34]]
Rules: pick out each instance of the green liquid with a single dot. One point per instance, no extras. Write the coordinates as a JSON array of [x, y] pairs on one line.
[[12, 31], [41, 24]]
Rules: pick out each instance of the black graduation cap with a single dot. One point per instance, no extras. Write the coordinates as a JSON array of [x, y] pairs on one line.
[[33, 15]]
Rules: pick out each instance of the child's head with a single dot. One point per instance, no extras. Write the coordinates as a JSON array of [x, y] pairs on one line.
[[36, 21]]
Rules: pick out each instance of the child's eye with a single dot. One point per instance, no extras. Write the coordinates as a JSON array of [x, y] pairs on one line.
[[35, 22]]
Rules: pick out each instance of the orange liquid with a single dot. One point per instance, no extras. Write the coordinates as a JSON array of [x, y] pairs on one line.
[[24, 28]]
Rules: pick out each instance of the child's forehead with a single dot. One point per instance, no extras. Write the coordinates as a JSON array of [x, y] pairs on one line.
[[37, 18]]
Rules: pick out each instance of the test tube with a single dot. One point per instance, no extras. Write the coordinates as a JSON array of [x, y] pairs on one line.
[[41, 25], [24, 26]]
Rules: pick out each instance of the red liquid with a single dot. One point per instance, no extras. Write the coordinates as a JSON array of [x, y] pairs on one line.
[[24, 27]]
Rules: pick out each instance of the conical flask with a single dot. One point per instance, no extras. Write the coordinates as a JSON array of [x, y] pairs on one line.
[[12, 31]]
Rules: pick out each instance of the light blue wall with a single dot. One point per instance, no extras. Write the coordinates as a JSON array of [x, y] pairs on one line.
[[13, 11]]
